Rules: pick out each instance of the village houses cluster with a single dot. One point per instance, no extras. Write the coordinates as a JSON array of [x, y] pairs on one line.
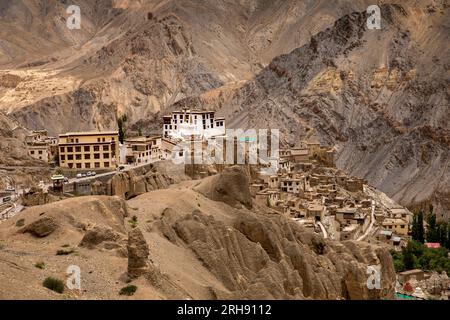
[[312, 191], [306, 186]]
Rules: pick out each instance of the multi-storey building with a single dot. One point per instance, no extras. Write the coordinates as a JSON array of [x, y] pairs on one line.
[[198, 123], [40, 146], [89, 150], [140, 149]]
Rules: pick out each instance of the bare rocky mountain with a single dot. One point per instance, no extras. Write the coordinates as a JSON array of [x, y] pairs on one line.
[[307, 67], [381, 96], [140, 57]]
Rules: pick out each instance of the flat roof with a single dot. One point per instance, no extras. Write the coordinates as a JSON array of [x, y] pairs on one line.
[[408, 272], [193, 111], [141, 139], [89, 133], [394, 221], [299, 152]]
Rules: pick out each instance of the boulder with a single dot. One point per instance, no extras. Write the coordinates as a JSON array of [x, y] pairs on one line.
[[99, 235], [41, 227]]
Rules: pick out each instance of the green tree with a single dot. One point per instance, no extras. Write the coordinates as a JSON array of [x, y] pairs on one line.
[[408, 259], [443, 234], [417, 227], [121, 124], [432, 234]]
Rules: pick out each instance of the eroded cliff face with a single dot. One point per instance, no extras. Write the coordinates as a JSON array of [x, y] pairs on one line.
[[137, 181], [178, 244], [271, 257]]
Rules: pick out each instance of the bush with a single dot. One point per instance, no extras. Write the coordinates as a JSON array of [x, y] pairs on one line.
[[54, 284], [40, 265], [63, 252], [20, 223], [128, 290], [133, 221]]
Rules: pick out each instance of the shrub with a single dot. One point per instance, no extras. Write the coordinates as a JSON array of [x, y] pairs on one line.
[[54, 284], [20, 223], [40, 265], [63, 252], [128, 290], [133, 221]]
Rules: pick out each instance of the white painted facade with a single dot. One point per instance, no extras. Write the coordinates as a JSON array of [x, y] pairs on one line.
[[186, 123]]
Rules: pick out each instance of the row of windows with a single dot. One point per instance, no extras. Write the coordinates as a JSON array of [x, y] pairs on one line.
[[180, 116], [86, 156], [392, 227], [175, 127], [76, 140], [39, 152], [85, 148], [139, 148], [87, 165]]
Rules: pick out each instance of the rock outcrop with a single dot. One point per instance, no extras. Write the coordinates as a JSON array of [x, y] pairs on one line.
[[138, 262], [130, 184], [41, 227], [230, 186], [101, 235]]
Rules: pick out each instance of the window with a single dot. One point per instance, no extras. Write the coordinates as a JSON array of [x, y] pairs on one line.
[[62, 149], [96, 155], [87, 165], [106, 164], [105, 148], [70, 165], [69, 149], [78, 165], [63, 157], [96, 148], [78, 156], [98, 139], [32, 151], [103, 139], [97, 164], [106, 155], [76, 140], [87, 149], [77, 149], [87, 156], [70, 157]]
